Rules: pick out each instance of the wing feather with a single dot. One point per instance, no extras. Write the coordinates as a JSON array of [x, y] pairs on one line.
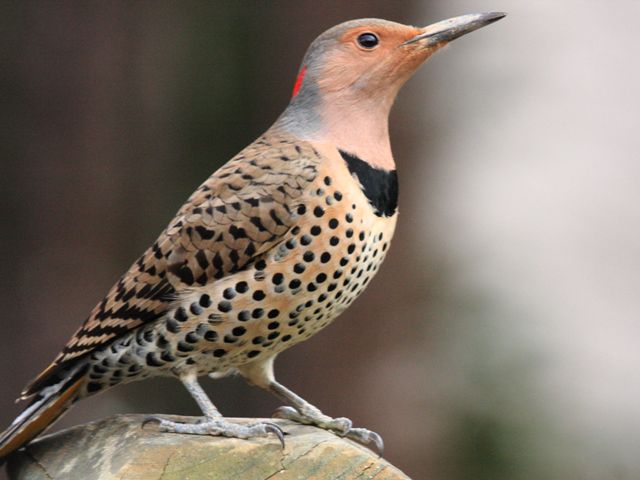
[[242, 211]]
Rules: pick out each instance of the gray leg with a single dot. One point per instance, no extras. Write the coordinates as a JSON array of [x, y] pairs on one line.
[[260, 374], [190, 382], [213, 423], [302, 411]]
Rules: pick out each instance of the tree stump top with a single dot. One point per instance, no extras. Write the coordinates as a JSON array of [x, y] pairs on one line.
[[120, 448]]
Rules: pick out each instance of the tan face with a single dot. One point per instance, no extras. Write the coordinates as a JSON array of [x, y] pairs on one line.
[[372, 59]]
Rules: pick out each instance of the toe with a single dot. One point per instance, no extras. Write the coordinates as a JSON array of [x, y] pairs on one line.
[[288, 413], [340, 425], [284, 412]]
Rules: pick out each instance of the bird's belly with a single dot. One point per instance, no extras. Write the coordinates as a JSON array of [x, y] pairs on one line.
[[283, 299], [305, 284]]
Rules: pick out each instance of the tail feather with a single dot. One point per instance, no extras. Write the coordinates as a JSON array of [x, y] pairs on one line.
[[46, 407]]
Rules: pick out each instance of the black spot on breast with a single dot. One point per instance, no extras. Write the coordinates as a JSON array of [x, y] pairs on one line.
[[167, 357], [224, 306], [152, 361], [191, 337], [195, 309], [93, 387], [184, 347], [172, 326], [180, 315], [379, 186], [238, 331], [211, 336], [205, 301]]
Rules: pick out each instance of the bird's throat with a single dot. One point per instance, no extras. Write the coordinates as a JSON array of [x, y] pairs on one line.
[[362, 135], [358, 126]]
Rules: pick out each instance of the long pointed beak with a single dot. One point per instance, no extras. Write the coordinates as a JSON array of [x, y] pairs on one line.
[[453, 28]]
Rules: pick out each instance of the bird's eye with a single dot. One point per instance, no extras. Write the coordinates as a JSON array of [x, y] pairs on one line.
[[368, 40]]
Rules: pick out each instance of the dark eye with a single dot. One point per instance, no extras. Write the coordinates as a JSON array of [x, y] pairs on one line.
[[368, 40]]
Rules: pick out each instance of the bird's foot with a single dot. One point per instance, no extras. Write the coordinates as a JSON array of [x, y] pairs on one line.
[[341, 426], [219, 427]]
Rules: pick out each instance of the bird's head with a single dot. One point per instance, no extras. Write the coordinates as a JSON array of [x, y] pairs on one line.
[[373, 58], [355, 70]]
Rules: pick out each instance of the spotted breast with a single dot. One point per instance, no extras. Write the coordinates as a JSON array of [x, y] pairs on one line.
[[328, 223]]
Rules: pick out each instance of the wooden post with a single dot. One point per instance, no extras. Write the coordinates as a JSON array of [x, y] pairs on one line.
[[120, 448]]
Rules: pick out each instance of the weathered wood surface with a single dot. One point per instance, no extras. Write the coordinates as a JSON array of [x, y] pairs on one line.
[[120, 448]]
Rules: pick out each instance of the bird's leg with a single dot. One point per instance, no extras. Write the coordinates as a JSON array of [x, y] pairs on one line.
[[302, 411], [299, 410], [210, 411], [213, 423]]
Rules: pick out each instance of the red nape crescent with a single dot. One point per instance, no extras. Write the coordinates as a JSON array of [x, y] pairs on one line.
[[299, 80]]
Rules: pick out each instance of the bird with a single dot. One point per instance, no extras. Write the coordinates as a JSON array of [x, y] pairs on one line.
[[268, 251]]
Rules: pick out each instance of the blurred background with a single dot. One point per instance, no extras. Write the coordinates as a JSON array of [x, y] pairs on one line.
[[500, 339]]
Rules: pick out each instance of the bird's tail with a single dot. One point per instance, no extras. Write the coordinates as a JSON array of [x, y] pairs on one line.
[[45, 408]]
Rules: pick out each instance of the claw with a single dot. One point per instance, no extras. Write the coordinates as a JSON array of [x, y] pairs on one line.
[[276, 430], [150, 419], [379, 443], [367, 438]]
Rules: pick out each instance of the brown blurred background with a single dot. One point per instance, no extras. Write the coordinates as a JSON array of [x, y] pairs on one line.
[[499, 341]]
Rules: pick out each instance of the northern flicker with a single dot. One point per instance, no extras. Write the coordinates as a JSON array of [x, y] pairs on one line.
[[267, 251]]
